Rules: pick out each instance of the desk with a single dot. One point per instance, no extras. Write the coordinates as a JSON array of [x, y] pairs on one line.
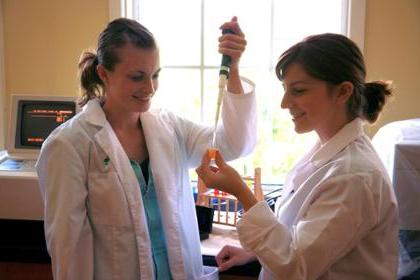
[[227, 235], [20, 197]]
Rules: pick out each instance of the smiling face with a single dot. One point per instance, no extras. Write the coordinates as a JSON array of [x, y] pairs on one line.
[[313, 104], [131, 85]]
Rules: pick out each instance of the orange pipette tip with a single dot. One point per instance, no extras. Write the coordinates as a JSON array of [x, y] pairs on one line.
[[212, 153]]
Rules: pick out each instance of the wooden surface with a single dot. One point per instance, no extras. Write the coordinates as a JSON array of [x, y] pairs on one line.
[[221, 235], [25, 271]]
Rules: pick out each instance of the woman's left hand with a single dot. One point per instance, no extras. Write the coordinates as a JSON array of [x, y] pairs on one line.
[[233, 256]]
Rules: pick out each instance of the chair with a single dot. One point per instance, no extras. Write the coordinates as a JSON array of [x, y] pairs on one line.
[[226, 205]]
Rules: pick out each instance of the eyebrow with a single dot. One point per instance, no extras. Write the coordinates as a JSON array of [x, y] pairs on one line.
[[299, 82], [142, 72], [294, 83]]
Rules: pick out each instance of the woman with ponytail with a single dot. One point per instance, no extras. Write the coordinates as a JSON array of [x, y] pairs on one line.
[[337, 217], [115, 183]]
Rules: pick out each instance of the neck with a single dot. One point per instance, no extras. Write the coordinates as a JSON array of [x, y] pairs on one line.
[[335, 126], [122, 120]]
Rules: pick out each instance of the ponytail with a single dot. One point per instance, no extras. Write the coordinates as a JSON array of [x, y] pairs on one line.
[[91, 84], [375, 95]]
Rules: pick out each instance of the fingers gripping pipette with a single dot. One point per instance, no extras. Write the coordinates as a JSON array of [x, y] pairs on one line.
[[223, 77]]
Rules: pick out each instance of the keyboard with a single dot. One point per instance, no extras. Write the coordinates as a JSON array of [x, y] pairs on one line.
[[18, 165]]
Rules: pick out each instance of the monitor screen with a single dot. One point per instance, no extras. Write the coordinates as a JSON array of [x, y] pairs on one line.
[[33, 118], [37, 119]]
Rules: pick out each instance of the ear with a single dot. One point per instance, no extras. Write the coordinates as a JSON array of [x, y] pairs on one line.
[[344, 92], [102, 73]]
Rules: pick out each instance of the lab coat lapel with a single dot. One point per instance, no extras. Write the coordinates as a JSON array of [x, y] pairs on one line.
[[295, 177], [301, 189], [160, 139], [108, 141], [306, 170], [161, 144]]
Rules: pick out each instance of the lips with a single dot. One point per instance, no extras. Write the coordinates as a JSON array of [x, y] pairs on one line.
[[145, 98], [296, 116]]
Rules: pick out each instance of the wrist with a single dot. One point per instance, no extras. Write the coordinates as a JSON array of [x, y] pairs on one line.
[[234, 70], [234, 82], [246, 197]]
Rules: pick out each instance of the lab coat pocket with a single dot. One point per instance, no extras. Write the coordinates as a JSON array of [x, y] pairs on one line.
[[210, 273], [107, 203]]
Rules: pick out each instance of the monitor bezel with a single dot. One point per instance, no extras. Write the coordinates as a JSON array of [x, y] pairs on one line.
[[27, 152]]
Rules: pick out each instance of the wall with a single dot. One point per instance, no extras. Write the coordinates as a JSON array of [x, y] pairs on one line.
[[43, 41], [2, 86], [392, 52]]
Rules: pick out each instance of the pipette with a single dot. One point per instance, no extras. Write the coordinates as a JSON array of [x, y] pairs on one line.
[[223, 77]]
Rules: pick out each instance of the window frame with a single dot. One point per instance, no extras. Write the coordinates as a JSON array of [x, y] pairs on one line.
[[353, 22], [354, 14], [356, 17], [3, 118]]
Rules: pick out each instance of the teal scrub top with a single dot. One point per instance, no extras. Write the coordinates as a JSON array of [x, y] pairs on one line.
[[154, 221]]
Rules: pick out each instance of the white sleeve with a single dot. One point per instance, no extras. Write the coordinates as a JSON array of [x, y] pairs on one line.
[[345, 208], [239, 116], [68, 233], [236, 134]]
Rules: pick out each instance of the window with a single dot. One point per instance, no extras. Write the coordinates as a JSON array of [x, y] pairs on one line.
[[187, 32]]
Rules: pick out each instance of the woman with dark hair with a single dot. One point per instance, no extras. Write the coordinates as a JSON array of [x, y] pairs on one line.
[[337, 217], [115, 183]]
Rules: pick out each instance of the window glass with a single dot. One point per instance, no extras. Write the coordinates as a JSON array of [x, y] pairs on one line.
[[176, 26], [254, 20], [190, 62], [177, 93], [294, 20]]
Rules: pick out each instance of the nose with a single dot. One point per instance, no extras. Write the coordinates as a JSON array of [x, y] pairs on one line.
[[150, 86], [285, 102]]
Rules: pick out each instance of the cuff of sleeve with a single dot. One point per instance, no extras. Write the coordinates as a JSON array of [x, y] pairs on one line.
[[254, 220], [247, 85]]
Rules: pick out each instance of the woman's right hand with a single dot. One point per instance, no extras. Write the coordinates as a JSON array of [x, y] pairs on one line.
[[232, 256]]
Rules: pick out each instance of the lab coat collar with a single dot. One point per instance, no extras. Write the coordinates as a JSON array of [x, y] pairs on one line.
[[339, 141], [106, 139], [94, 113]]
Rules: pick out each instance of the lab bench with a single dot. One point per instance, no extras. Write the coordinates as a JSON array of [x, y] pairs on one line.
[[23, 241]]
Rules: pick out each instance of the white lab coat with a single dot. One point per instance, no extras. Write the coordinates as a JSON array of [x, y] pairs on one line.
[[95, 221], [337, 219]]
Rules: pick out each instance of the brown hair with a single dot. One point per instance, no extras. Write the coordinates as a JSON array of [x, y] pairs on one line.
[[334, 58], [117, 34]]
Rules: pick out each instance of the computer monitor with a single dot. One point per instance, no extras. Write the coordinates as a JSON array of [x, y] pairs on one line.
[[32, 120]]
